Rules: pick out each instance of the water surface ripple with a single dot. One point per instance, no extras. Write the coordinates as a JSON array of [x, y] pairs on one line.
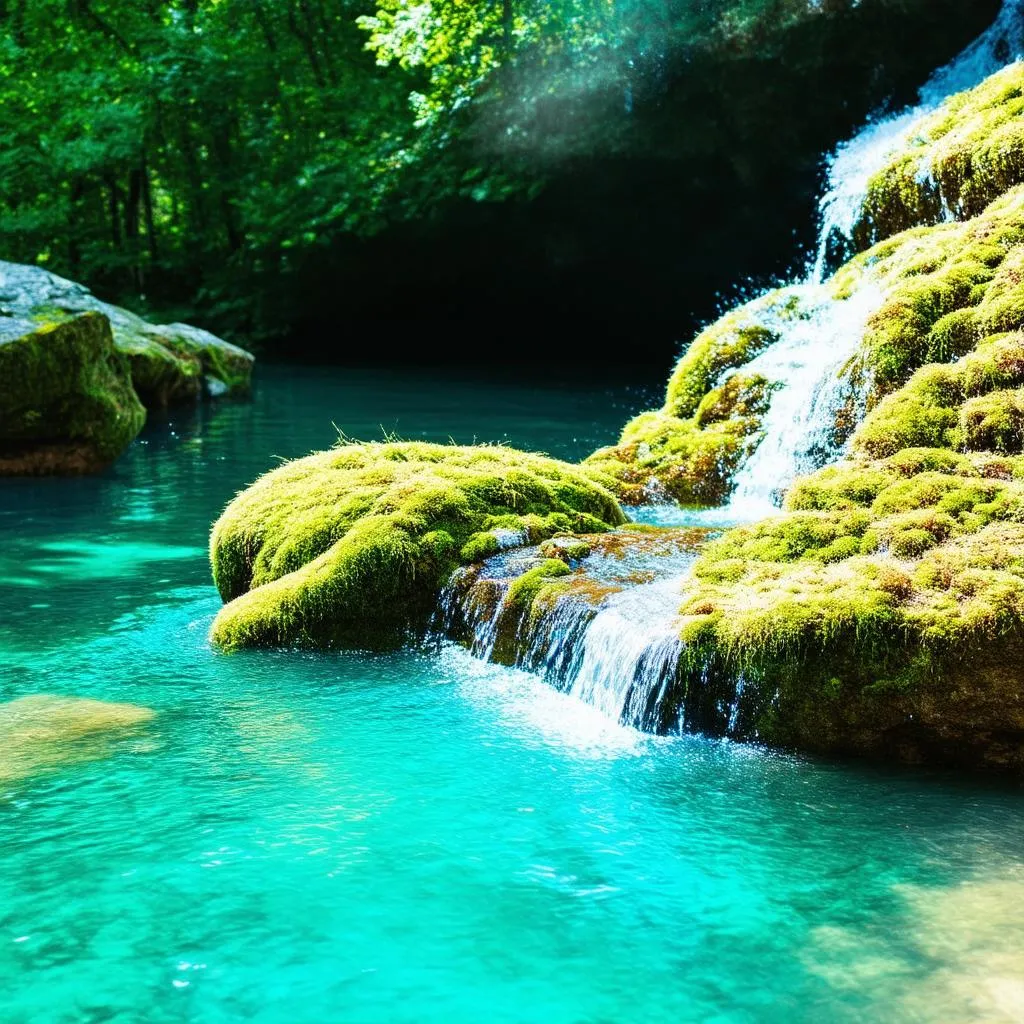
[[421, 836]]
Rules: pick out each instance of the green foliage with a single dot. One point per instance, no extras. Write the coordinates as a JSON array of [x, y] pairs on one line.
[[201, 152]]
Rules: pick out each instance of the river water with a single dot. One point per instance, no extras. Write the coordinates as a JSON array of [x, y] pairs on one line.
[[421, 836]]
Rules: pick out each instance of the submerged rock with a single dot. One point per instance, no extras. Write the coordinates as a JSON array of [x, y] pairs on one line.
[[352, 546], [42, 732], [170, 363], [66, 399]]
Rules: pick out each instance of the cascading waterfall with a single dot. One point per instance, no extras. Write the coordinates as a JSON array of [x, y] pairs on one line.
[[799, 427], [630, 651], [855, 162], [612, 639], [620, 651]]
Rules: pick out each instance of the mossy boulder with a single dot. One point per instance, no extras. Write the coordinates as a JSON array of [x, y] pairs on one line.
[[42, 732], [352, 546], [945, 290], [955, 162], [170, 363], [882, 613], [690, 449], [66, 399]]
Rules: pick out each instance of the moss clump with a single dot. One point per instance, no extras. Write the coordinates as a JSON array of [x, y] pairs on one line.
[[883, 613], [66, 400], [972, 404], [947, 289], [352, 545], [691, 448], [955, 162]]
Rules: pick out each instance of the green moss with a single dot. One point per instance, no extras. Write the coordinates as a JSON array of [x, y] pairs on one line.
[[160, 376], [525, 589], [352, 545], [729, 343], [835, 488], [65, 396], [227, 366], [966, 404], [946, 290], [956, 161], [992, 422]]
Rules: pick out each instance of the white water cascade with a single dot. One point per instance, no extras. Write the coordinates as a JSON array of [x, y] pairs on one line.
[[855, 162], [813, 347], [622, 653]]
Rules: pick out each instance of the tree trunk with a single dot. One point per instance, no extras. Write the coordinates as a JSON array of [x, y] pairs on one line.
[[131, 226], [147, 208], [113, 208]]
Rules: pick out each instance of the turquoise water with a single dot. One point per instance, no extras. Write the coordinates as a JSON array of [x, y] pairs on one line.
[[420, 836]]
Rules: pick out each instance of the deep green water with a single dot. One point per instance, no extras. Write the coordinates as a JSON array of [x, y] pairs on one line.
[[422, 837]]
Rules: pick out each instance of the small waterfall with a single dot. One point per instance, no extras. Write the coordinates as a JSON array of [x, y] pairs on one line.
[[612, 636], [630, 652], [800, 428], [856, 161]]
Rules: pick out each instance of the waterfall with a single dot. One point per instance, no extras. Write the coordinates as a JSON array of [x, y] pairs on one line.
[[799, 429], [800, 432], [630, 652], [856, 161], [611, 635]]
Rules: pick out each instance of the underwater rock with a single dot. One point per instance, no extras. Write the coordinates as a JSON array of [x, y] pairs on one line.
[[66, 399], [42, 732], [350, 547], [170, 363]]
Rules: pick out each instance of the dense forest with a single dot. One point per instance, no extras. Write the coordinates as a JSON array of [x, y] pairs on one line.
[[336, 170]]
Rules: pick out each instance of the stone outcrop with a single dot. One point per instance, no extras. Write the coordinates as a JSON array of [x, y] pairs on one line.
[[66, 398], [169, 362], [77, 375]]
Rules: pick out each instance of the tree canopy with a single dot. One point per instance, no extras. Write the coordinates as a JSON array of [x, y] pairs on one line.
[[181, 152]]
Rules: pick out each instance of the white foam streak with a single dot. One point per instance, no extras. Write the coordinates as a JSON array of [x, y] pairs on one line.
[[799, 428]]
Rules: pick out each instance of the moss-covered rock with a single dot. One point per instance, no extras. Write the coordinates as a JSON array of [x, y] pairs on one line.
[[946, 289], [66, 399], [42, 732], [882, 613], [351, 546], [955, 162], [170, 363], [690, 449]]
